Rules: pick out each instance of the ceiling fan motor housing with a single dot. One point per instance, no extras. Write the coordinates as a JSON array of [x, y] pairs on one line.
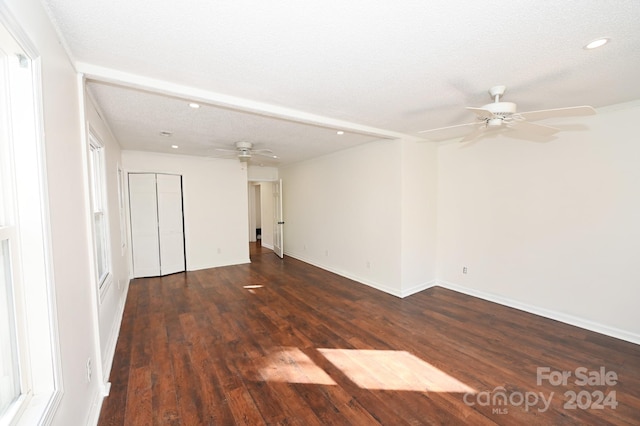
[[244, 150], [500, 111], [242, 145], [501, 108]]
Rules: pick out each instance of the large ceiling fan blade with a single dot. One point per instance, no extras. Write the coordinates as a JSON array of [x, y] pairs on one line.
[[538, 129], [226, 150], [222, 155], [474, 135], [576, 111], [481, 113], [264, 154], [261, 151], [450, 132], [531, 132]]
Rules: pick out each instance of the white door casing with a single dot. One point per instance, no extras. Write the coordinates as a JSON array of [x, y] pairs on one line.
[[278, 221]]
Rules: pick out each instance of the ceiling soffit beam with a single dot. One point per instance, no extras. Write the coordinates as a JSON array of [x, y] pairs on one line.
[[135, 81]]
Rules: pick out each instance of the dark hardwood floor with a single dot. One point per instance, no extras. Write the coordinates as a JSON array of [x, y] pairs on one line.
[[282, 342]]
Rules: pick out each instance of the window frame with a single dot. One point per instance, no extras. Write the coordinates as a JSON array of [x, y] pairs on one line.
[[99, 212], [23, 171]]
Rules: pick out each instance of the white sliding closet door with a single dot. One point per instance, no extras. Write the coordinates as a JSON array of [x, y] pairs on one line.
[[170, 225], [144, 225], [157, 235]]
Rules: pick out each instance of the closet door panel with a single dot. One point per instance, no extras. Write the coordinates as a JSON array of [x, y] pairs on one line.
[[171, 231], [144, 225]]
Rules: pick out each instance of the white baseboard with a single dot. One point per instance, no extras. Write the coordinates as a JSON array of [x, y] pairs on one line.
[[547, 313], [227, 263], [377, 286], [96, 406], [418, 288], [110, 351], [269, 246]]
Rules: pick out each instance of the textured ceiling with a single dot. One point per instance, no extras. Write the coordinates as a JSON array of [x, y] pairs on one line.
[[289, 73], [137, 118]]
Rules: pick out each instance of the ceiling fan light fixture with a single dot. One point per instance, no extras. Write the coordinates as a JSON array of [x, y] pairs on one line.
[[597, 43], [244, 156], [494, 122]]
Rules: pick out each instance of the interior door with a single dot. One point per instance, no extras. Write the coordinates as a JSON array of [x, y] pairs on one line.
[[278, 221], [145, 241], [170, 224]]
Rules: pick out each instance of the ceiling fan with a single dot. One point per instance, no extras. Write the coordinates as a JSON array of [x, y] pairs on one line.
[[503, 115], [244, 151]]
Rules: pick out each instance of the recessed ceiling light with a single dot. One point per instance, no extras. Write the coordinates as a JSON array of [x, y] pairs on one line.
[[340, 132], [275, 156], [597, 43], [174, 146], [165, 133], [194, 105]]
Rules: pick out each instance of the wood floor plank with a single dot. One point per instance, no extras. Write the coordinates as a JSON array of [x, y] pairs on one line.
[[164, 402], [139, 410], [244, 409], [281, 342]]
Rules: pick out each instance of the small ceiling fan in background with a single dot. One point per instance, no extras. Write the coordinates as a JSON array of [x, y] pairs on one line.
[[244, 151], [500, 115]]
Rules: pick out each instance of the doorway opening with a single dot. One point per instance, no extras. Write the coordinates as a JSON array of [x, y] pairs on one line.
[[260, 237], [261, 218]]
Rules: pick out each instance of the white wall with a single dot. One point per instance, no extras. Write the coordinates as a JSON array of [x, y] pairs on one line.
[[112, 301], [261, 173], [552, 226], [69, 217], [342, 212], [215, 205], [373, 208], [418, 224]]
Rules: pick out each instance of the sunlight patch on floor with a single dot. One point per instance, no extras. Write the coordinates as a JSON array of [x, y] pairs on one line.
[[251, 288], [291, 365], [392, 370]]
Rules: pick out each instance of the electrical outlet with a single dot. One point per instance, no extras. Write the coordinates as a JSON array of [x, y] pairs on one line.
[[326, 252], [464, 269], [89, 370], [368, 265]]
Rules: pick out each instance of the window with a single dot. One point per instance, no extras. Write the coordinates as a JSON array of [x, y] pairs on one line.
[[121, 207], [10, 377], [12, 353], [29, 365], [98, 208]]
